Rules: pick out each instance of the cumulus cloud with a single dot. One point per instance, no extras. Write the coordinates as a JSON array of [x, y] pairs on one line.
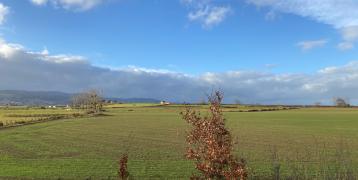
[[206, 13], [342, 14], [4, 11], [22, 69], [77, 5], [308, 45]]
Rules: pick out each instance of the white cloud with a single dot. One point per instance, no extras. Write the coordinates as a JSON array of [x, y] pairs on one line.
[[209, 16], [27, 70], [345, 46], [271, 66], [350, 33], [7, 50], [206, 13], [350, 36], [45, 51], [76, 5], [4, 11], [271, 15], [39, 2], [341, 14], [308, 45]]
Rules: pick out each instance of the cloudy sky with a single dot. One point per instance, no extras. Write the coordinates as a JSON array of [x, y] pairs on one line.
[[255, 51]]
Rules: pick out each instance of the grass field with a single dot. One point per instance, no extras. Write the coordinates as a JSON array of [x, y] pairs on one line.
[[313, 140], [21, 115]]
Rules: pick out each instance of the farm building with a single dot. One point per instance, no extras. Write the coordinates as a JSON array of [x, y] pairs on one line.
[[164, 103]]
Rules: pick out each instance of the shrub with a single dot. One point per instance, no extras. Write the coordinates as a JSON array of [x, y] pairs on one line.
[[123, 168], [210, 144]]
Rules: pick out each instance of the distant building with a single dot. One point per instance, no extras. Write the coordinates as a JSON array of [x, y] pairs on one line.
[[68, 108], [164, 103]]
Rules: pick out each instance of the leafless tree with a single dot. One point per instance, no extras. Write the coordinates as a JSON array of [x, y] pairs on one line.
[[340, 102], [89, 100], [237, 102], [317, 104]]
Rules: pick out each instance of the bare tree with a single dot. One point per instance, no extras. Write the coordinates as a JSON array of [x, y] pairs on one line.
[[237, 102], [317, 104], [340, 102], [210, 144], [89, 100]]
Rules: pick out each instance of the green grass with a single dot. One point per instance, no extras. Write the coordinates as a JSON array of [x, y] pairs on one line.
[[154, 138], [14, 115], [128, 105]]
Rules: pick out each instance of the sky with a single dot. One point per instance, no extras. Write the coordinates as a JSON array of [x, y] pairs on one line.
[[255, 51]]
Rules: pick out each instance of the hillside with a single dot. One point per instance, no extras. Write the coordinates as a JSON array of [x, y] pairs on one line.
[[17, 97]]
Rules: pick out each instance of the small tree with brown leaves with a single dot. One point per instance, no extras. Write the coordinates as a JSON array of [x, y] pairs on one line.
[[210, 144], [123, 168]]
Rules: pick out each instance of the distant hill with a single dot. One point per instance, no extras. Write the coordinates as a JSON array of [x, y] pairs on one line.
[[17, 97]]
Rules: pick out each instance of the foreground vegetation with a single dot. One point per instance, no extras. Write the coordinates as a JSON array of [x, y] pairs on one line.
[[308, 143]]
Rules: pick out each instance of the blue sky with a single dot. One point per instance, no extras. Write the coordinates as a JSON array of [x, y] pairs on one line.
[[194, 38], [157, 34]]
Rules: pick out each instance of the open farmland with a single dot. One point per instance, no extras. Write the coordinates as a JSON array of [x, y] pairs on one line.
[[315, 141], [15, 116]]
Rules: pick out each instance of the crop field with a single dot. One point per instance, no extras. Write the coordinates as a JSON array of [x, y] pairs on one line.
[[312, 142], [14, 116]]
